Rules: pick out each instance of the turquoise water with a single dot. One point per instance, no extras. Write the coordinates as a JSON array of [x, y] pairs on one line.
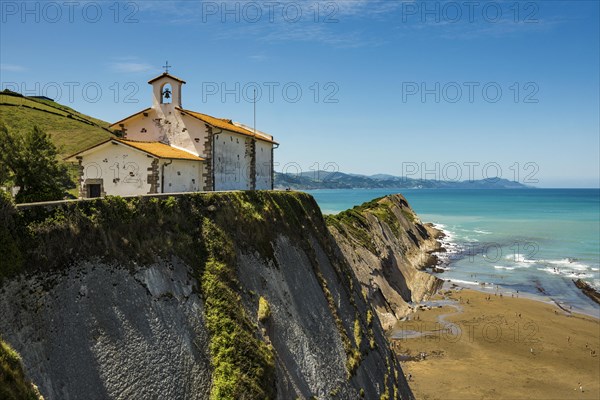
[[532, 240]]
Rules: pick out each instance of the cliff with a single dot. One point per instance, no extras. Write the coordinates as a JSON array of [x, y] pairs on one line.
[[388, 249], [13, 384], [223, 296]]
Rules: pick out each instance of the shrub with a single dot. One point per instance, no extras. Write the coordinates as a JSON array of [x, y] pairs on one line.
[[264, 310]]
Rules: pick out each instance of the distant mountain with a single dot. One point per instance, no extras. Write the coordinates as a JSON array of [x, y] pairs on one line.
[[339, 180]]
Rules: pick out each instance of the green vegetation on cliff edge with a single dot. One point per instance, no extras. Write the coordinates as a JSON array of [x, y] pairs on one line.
[[13, 384], [191, 227]]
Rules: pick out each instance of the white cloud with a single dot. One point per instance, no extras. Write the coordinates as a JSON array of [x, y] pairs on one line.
[[258, 57], [12, 68], [131, 67]]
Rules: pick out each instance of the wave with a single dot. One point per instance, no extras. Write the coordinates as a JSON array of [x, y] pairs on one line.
[[451, 248], [519, 259], [486, 285], [458, 242], [464, 282], [503, 267], [569, 263], [549, 270], [567, 273]]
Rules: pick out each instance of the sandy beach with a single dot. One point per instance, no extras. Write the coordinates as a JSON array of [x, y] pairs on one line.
[[480, 345]]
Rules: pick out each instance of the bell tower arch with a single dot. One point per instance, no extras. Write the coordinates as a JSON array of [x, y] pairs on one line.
[[166, 89]]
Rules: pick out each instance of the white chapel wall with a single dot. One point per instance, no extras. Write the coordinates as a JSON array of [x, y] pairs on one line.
[[181, 131], [122, 170], [231, 162], [181, 176], [263, 165]]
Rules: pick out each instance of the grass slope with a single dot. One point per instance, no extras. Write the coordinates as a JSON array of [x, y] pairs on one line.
[[70, 130]]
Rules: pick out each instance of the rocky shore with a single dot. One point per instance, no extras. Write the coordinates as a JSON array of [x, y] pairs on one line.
[[389, 250], [587, 290]]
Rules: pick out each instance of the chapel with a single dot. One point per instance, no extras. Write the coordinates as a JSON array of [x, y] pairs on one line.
[[166, 148]]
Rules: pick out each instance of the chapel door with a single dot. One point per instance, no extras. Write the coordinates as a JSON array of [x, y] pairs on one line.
[[94, 190]]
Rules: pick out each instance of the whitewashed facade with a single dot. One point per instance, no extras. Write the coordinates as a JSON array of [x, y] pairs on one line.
[[167, 149]]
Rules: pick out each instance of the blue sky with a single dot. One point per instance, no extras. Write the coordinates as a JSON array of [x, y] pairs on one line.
[[436, 90]]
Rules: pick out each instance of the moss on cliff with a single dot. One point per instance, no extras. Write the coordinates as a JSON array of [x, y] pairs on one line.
[[243, 365], [13, 384], [142, 230], [353, 222], [264, 310], [207, 231]]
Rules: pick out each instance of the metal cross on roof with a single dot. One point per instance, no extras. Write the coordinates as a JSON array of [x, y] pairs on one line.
[[166, 67]]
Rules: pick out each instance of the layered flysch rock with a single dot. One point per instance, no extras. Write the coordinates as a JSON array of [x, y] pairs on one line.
[[388, 248], [158, 298]]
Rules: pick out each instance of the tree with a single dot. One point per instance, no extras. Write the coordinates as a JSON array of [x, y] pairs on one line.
[[30, 162]]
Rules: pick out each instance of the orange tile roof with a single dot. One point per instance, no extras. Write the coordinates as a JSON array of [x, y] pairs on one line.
[[161, 150], [227, 124], [156, 149], [222, 123]]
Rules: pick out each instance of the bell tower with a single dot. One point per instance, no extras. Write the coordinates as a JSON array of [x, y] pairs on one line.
[[166, 89]]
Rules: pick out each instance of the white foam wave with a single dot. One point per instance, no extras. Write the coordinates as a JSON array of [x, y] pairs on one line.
[[549, 270], [463, 282], [519, 258], [568, 264], [484, 285], [567, 273], [503, 267], [482, 232], [578, 275], [559, 262]]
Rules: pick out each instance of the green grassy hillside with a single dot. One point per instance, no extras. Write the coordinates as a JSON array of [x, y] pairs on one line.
[[70, 130]]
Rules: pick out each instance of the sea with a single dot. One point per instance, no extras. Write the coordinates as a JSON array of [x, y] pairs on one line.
[[529, 242]]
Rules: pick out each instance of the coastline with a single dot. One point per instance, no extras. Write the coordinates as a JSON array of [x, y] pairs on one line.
[[468, 343], [447, 248]]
